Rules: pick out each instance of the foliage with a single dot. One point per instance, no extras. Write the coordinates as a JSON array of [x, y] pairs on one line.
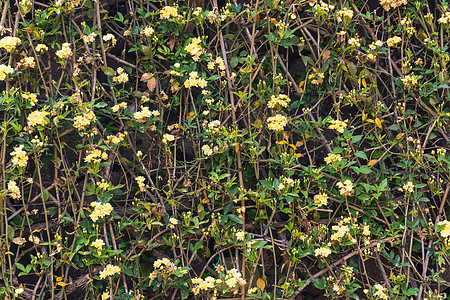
[[255, 149]]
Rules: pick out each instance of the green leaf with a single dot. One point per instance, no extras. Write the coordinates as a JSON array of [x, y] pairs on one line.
[[235, 218], [108, 71], [361, 154]]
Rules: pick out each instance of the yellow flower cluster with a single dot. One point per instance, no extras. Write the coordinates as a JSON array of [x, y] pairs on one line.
[[337, 125], [194, 80], [27, 62], [388, 4], [110, 37], [37, 143], [165, 264], [445, 18], [380, 292], [322, 7], [344, 13], [147, 31], [408, 187], [321, 199], [410, 80], [233, 279], [98, 244], [140, 181], [5, 71], [41, 48], [95, 156], [195, 49], [354, 42], [207, 150], [83, 121], [167, 138], [316, 77], [322, 252], [346, 188], [220, 63], [280, 100], [37, 118], [31, 97], [89, 38], [240, 235], [441, 151], [332, 158], [100, 210], [445, 233], [13, 189], [203, 285], [103, 185], [65, 51], [393, 41], [277, 123], [141, 116], [109, 270], [375, 44], [121, 105], [19, 156], [122, 77], [113, 140], [168, 12], [9, 43], [341, 232]]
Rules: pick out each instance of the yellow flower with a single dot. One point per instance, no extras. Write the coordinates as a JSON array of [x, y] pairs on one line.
[[206, 149], [13, 189], [9, 43], [31, 97], [194, 48], [103, 185], [110, 37], [37, 118], [280, 100], [393, 41], [408, 187], [337, 125], [147, 31], [322, 252], [194, 80], [167, 138], [83, 121], [346, 188], [332, 158], [321, 199], [122, 77], [100, 210], [168, 12], [4, 71], [27, 62], [277, 123], [445, 233], [41, 48], [240, 235], [95, 156], [121, 105], [140, 181], [19, 156], [65, 51], [98, 244], [388, 4], [105, 295], [89, 38], [109, 270], [18, 291]]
